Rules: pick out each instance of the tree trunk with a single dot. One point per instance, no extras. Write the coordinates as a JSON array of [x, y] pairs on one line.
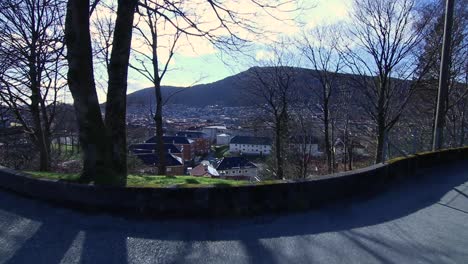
[[278, 154], [39, 136], [159, 130], [326, 124], [116, 106], [379, 155], [95, 142]]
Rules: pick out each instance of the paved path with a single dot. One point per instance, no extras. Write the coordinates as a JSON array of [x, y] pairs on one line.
[[421, 221]]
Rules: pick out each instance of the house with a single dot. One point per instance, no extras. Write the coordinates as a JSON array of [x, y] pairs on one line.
[[305, 145], [223, 139], [152, 148], [202, 142], [357, 148], [174, 164], [212, 131], [185, 145], [204, 169], [237, 168], [250, 145], [148, 154]]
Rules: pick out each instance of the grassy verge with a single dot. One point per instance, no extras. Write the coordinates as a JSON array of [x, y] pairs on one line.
[[148, 181]]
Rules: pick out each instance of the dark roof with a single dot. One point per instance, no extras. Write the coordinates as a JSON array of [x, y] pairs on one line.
[[191, 134], [228, 163], [251, 140], [153, 159], [170, 140], [149, 147]]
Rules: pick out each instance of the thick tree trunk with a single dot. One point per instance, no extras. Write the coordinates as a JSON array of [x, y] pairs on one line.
[[116, 105], [95, 142], [159, 130]]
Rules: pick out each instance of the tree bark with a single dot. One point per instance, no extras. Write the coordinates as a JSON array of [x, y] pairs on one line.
[[326, 124], [279, 158], [94, 141], [116, 106], [159, 130]]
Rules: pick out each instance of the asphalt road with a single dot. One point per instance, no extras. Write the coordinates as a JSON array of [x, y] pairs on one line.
[[424, 220]]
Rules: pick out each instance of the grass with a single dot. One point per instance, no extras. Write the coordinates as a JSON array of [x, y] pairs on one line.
[[67, 151], [148, 181], [220, 151]]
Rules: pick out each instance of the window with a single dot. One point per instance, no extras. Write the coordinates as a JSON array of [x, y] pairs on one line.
[[240, 171], [227, 172], [168, 169]]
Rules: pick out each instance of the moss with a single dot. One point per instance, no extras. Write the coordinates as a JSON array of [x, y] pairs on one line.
[[149, 181]]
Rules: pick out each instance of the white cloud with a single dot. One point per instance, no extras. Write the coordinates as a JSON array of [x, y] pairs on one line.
[[263, 55]]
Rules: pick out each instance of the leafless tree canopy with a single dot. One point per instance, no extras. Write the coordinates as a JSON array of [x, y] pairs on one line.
[[31, 76], [384, 38]]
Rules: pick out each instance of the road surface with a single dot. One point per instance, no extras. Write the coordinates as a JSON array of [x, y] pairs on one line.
[[424, 220]]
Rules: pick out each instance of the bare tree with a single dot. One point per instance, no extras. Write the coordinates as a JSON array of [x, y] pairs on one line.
[[301, 144], [31, 37], [432, 14], [383, 40], [161, 40], [274, 85], [103, 141], [161, 25], [320, 46]]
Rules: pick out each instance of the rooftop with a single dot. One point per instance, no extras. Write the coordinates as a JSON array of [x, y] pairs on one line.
[[153, 159], [251, 140], [171, 140], [149, 147], [228, 163]]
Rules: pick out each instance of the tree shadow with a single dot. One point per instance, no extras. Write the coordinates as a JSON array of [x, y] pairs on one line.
[[66, 234]]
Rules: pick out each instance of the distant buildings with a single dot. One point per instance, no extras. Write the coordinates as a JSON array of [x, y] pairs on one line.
[[204, 169], [250, 145], [185, 145], [223, 139], [305, 145], [148, 155], [212, 131], [237, 168], [202, 142]]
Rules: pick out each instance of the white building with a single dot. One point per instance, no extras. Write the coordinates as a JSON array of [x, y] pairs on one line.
[[238, 168], [223, 139], [250, 145], [305, 145], [212, 131]]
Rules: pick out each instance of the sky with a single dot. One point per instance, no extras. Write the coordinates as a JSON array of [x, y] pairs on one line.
[[197, 61]]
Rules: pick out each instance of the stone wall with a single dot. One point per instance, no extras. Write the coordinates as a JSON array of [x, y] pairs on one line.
[[224, 201]]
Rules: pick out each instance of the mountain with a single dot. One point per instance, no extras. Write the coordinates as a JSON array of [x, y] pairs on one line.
[[231, 91]]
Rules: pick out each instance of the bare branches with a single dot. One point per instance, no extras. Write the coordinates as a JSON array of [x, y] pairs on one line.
[[383, 39], [31, 77]]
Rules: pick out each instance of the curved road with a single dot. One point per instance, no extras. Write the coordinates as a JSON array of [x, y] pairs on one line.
[[423, 220]]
